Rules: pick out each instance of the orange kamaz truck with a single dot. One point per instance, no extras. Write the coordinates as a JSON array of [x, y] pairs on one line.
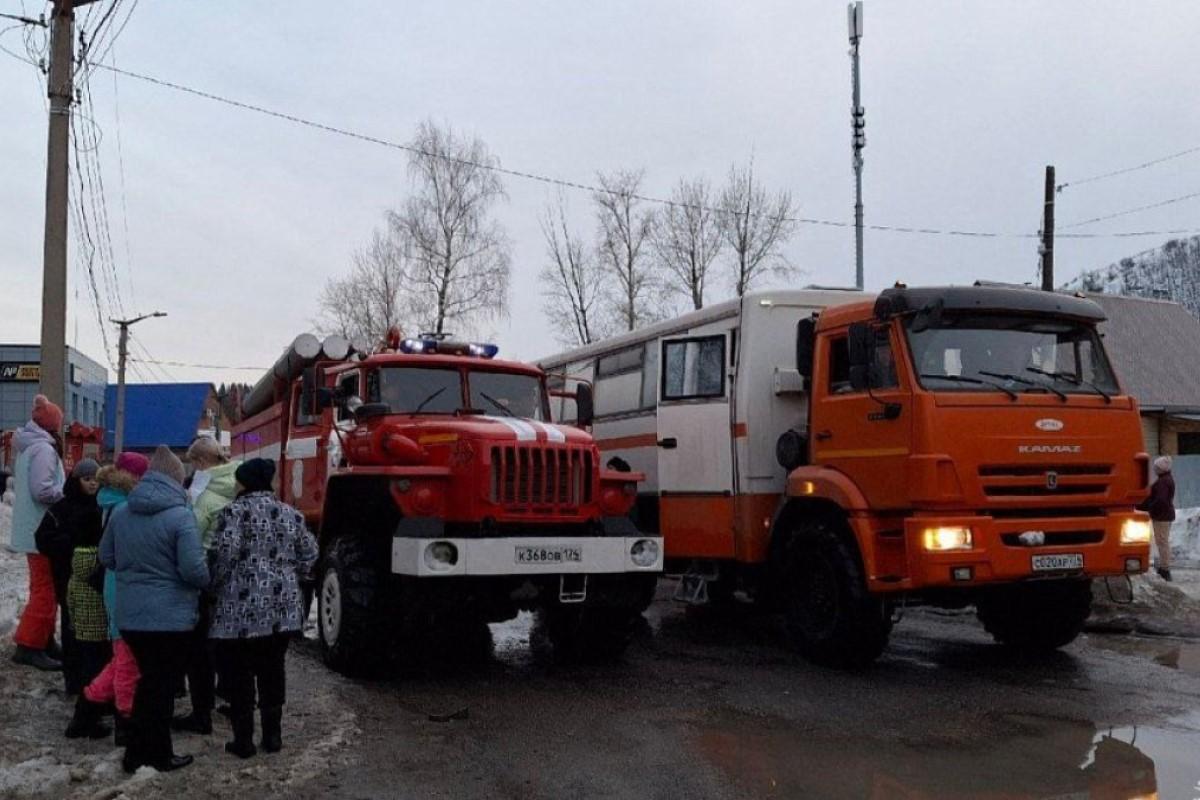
[[841, 456]]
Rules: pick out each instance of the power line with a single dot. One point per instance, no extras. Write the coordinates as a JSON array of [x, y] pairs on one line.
[[1126, 170], [568, 184], [197, 366], [1129, 211]]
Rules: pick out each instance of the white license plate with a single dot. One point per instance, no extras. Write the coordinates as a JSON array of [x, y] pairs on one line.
[[559, 554], [1058, 563]]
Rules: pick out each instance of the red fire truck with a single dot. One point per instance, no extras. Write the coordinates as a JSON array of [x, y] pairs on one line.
[[444, 498]]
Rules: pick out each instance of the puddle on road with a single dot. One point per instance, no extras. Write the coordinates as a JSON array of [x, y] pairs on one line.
[[1032, 757], [1185, 657]]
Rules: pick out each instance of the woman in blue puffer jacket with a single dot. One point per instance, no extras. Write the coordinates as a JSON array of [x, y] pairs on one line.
[[153, 544]]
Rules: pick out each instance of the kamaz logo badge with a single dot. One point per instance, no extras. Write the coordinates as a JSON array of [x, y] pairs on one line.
[[1049, 425], [1051, 480], [1049, 449]]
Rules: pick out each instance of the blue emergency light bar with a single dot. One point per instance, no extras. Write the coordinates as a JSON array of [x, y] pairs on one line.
[[443, 347]]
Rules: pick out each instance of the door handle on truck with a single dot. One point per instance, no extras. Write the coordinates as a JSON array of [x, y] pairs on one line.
[[669, 443], [823, 435]]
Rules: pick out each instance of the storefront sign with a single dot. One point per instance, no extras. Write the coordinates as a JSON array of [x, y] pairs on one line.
[[20, 372]]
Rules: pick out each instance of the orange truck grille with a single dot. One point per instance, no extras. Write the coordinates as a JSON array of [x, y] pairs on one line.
[[541, 479], [1045, 480]]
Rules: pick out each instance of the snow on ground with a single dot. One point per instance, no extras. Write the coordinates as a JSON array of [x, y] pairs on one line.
[[13, 578], [1185, 535]]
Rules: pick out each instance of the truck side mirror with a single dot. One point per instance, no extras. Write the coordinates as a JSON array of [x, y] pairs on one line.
[[585, 409], [862, 356], [806, 338]]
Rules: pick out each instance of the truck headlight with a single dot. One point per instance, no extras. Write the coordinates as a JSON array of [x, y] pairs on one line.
[[441, 556], [644, 553], [1136, 531], [949, 537]]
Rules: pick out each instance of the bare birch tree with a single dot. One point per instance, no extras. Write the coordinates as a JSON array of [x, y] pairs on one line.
[[624, 229], [364, 304], [687, 239], [459, 254], [755, 225], [572, 283]]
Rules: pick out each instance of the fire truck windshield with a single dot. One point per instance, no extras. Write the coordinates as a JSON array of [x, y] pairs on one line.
[[422, 390], [1021, 354]]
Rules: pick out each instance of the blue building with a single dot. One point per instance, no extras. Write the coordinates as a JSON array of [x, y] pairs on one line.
[[173, 414], [20, 371]]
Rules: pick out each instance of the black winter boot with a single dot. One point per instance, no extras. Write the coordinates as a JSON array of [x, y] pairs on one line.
[[1165, 574], [272, 733], [54, 650], [36, 658], [86, 721], [242, 745], [195, 722], [123, 730]]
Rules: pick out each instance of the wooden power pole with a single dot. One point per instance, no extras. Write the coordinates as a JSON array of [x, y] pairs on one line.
[[61, 91], [122, 355], [1048, 233]]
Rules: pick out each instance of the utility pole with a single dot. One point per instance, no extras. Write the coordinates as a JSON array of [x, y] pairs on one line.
[[122, 353], [1047, 248], [61, 91], [858, 136]]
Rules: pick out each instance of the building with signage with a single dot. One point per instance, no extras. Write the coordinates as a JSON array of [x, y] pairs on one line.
[[20, 371]]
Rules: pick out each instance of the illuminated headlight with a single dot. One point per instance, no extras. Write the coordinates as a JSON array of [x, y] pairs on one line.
[[947, 538], [644, 553], [441, 556], [1136, 531]]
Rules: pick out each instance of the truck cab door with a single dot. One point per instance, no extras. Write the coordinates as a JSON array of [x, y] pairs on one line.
[[695, 449], [865, 432], [301, 474]]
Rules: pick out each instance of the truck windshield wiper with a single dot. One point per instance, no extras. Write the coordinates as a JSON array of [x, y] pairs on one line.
[[1027, 382], [497, 404], [421, 406], [964, 379], [1063, 376]]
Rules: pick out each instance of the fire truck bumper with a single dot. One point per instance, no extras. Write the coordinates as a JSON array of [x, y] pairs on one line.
[[446, 557], [1003, 550]]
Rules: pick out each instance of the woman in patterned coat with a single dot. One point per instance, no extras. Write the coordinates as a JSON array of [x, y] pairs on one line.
[[260, 549]]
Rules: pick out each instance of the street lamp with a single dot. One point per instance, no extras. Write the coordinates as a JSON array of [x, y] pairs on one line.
[[122, 353]]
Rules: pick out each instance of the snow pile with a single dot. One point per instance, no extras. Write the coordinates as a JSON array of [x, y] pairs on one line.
[[37, 776], [1185, 535], [1155, 606], [13, 579]]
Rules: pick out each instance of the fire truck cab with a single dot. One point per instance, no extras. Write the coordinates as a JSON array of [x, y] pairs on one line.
[[839, 456], [444, 499]]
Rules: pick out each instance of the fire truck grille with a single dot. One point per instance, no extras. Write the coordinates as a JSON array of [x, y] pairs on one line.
[[1045, 480], [541, 479]]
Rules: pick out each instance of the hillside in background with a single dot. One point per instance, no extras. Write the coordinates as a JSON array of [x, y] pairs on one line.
[[1170, 272]]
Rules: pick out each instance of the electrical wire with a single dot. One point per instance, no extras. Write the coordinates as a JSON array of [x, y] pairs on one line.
[[201, 366], [569, 184], [1129, 211], [1126, 170]]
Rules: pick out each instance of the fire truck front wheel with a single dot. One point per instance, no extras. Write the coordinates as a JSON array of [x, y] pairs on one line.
[[1037, 616], [831, 617], [348, 601]]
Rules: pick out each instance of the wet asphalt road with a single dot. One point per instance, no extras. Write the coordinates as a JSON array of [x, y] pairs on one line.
[[710, 704]]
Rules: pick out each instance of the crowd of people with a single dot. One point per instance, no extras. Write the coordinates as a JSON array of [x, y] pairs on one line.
[[153, 576]]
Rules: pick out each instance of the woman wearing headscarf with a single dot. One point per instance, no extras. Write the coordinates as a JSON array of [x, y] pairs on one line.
[[261, 547], [74, 521], [37, 484], [1161, 507], [154, 546], [117, 682]]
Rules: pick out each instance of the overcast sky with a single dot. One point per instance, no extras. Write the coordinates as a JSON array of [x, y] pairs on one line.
[[235, 220]]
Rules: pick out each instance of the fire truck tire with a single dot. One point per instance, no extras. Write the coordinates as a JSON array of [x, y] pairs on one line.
[[350, 621], [1037, 617], [589, 634], [831, 617]]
